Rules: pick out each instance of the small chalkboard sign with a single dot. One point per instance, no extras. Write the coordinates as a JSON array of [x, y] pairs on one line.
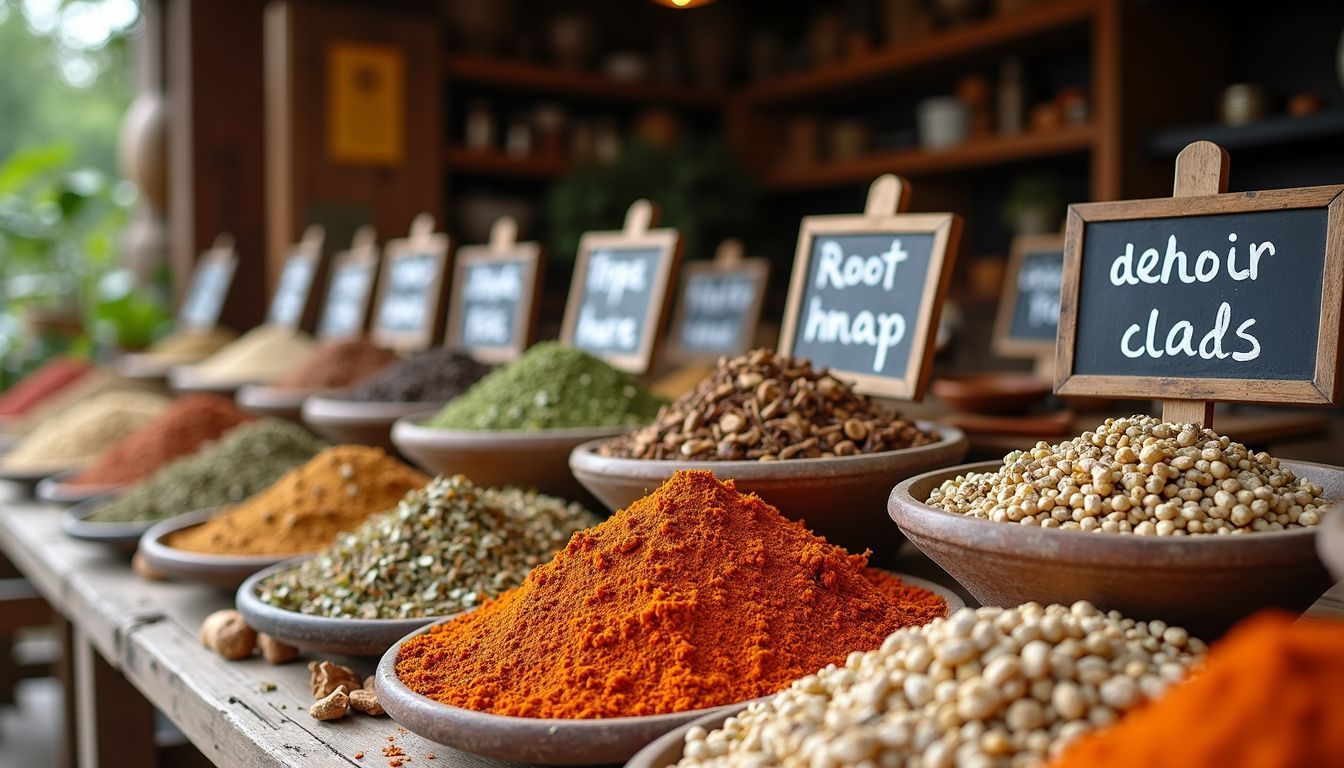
[[1204, 296], [210, 283], [619, 296], [720, 305], [350, 288], [1028, 317], [294, 289], [411, 289], [866, 292], [492, 311]]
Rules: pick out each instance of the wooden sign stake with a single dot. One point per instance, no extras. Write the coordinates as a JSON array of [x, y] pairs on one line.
[[503, 235], [1201, 170], [640, 217], [365, 237], [729, 253], [887, 195]]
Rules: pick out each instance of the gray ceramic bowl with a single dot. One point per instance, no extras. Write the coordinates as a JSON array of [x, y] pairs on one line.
[[227, 571], [537, 460], [57, 490], [522, 739], [354, 637], [275, 402], [143, 367], [26, 480], [184, 380], [1330, 542], [840, 498], [353, 421], [123, 536], [668, 749], [1204, 583]]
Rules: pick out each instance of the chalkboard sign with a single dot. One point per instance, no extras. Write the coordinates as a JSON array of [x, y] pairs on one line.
[[492, 310], [1028, 316], [1221, 297], [349, 288], [866, 292], [210, 283], [293, 290], [720, 305], [619, 295], [410, 294]]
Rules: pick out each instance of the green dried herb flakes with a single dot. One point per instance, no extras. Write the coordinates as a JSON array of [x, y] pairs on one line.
[[446, 548], [551, 387], [246, 460]]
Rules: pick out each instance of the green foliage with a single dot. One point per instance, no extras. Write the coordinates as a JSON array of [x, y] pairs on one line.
[[699, 185]]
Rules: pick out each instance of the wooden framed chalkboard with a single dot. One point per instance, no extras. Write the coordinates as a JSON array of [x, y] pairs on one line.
[[209, 287], [867, 291], [291, 303], [411, 288], [1027, 321], [719, 305], [1232, 297], [492, 311], [620, 293], [350, 288]]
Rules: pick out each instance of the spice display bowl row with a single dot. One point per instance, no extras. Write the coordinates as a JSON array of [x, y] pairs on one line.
[[519, 458], [122, 536], [26, 480], [186, 380], [358, 422], [275, 402], [144, 367], [1205, 583], [58, 489], [840, 498], [227, 571], [322, 634], [542, 741]]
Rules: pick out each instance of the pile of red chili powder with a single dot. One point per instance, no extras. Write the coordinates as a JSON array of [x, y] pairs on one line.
[[695, 596], [182, 429]]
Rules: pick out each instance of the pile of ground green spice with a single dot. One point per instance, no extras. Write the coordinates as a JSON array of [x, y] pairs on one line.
[[246, 460], [551, 387], [446, 548]]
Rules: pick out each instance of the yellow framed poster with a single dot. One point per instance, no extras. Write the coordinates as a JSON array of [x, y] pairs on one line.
[[366, 103]]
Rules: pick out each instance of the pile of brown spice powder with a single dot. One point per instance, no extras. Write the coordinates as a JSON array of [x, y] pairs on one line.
[[337, 364], [695, 596]]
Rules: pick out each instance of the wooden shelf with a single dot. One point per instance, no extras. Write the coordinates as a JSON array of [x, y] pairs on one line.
[[1267, 132], [921, 162], [538, 78], [483, 162], [977, 39]]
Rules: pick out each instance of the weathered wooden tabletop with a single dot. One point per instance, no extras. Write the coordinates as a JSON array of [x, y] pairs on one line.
[[146, 631]]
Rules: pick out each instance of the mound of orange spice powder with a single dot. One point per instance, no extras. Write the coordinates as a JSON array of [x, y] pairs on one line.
[[695, 596]]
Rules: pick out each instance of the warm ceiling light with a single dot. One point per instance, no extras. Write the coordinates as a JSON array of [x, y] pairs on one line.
[[683, 3]]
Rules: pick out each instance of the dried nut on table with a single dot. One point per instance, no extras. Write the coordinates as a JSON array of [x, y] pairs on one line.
[[333, 706], [1143, 476], [226, 633], [765, 406], [327, 676], [984, 687], [274, 651], [366, 701]]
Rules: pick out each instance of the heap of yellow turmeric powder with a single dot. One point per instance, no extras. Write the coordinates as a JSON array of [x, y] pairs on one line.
[[307, 507]]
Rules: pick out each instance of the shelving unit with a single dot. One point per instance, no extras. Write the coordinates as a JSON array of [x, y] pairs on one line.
[[481, 162], [1270, 131], [526, 77], [977, 41], [920, 162]]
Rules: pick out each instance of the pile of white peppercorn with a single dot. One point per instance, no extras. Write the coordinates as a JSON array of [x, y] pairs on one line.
[[1143, 476], [985, 687]]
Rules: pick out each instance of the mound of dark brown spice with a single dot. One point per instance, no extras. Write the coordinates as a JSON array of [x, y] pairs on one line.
[[766, 406]]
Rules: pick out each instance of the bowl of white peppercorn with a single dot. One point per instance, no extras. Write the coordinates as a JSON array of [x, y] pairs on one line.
[[1203, 546]]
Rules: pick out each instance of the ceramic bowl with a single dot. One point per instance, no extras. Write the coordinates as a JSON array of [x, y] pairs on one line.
[[25, 481], [185, 380], [353, 421], [537, 460], [274, 402], [668, 749], [58, 490], [533, 740], [321, 634], [840, 498], [227, 571], [123, 536], [1330, 543], [143, 367], [996, 393], [1204, 583]]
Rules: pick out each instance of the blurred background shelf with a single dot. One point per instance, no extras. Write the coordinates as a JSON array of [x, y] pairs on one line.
[[487, 162], [527, 77], [1266, 132]]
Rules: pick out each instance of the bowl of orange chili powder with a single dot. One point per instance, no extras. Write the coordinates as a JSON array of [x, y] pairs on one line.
[[695, 597]]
